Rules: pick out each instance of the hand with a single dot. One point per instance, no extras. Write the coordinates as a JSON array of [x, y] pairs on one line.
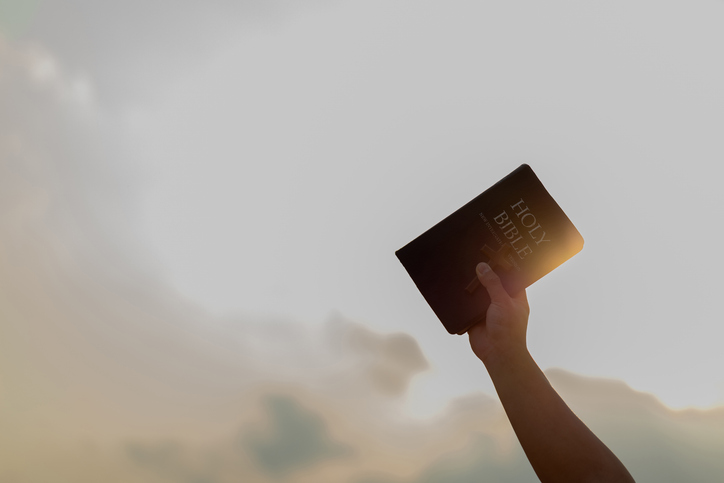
[[502, 335]]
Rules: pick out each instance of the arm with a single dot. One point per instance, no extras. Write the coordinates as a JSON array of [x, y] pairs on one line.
[[558, 445]]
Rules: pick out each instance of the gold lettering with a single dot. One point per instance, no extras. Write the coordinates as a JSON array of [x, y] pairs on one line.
[[516, 207], [538, 242], [526, 250], [501, 218], [510, 233], [527, 216]]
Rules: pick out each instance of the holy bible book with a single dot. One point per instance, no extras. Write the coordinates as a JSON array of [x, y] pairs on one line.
[[515, 226]]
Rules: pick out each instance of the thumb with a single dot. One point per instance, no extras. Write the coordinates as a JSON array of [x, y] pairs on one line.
[[490, 280]]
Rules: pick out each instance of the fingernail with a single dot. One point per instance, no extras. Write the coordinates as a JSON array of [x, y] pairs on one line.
[[482, 268]]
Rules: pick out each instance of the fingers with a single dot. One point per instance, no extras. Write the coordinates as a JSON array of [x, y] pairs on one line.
[[522, 299], [479, 327], [490, 280]]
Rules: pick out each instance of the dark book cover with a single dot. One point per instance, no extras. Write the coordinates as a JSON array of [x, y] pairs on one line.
[[515, 226]]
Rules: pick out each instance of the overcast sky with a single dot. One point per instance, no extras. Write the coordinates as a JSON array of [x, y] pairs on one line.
[[262, 161], [281, 159]]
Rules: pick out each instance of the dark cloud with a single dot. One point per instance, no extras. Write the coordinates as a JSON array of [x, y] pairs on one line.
[[296, 438], [16, 14]]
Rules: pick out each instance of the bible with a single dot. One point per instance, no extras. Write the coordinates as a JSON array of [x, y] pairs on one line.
[[515, 226]]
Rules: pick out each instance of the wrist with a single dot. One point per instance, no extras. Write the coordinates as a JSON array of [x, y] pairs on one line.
[[512, 359]]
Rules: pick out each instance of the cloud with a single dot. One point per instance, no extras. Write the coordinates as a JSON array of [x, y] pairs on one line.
[[296, 438], [97, 353], [655, 442], [133, 48], [71, 292]]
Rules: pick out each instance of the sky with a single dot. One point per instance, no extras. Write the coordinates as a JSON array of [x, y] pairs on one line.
[[201, 204]]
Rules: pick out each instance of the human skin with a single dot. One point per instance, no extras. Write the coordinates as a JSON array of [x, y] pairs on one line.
[[559, 446]]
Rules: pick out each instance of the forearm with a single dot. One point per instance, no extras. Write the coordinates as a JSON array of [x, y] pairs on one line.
[[558, 445]]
